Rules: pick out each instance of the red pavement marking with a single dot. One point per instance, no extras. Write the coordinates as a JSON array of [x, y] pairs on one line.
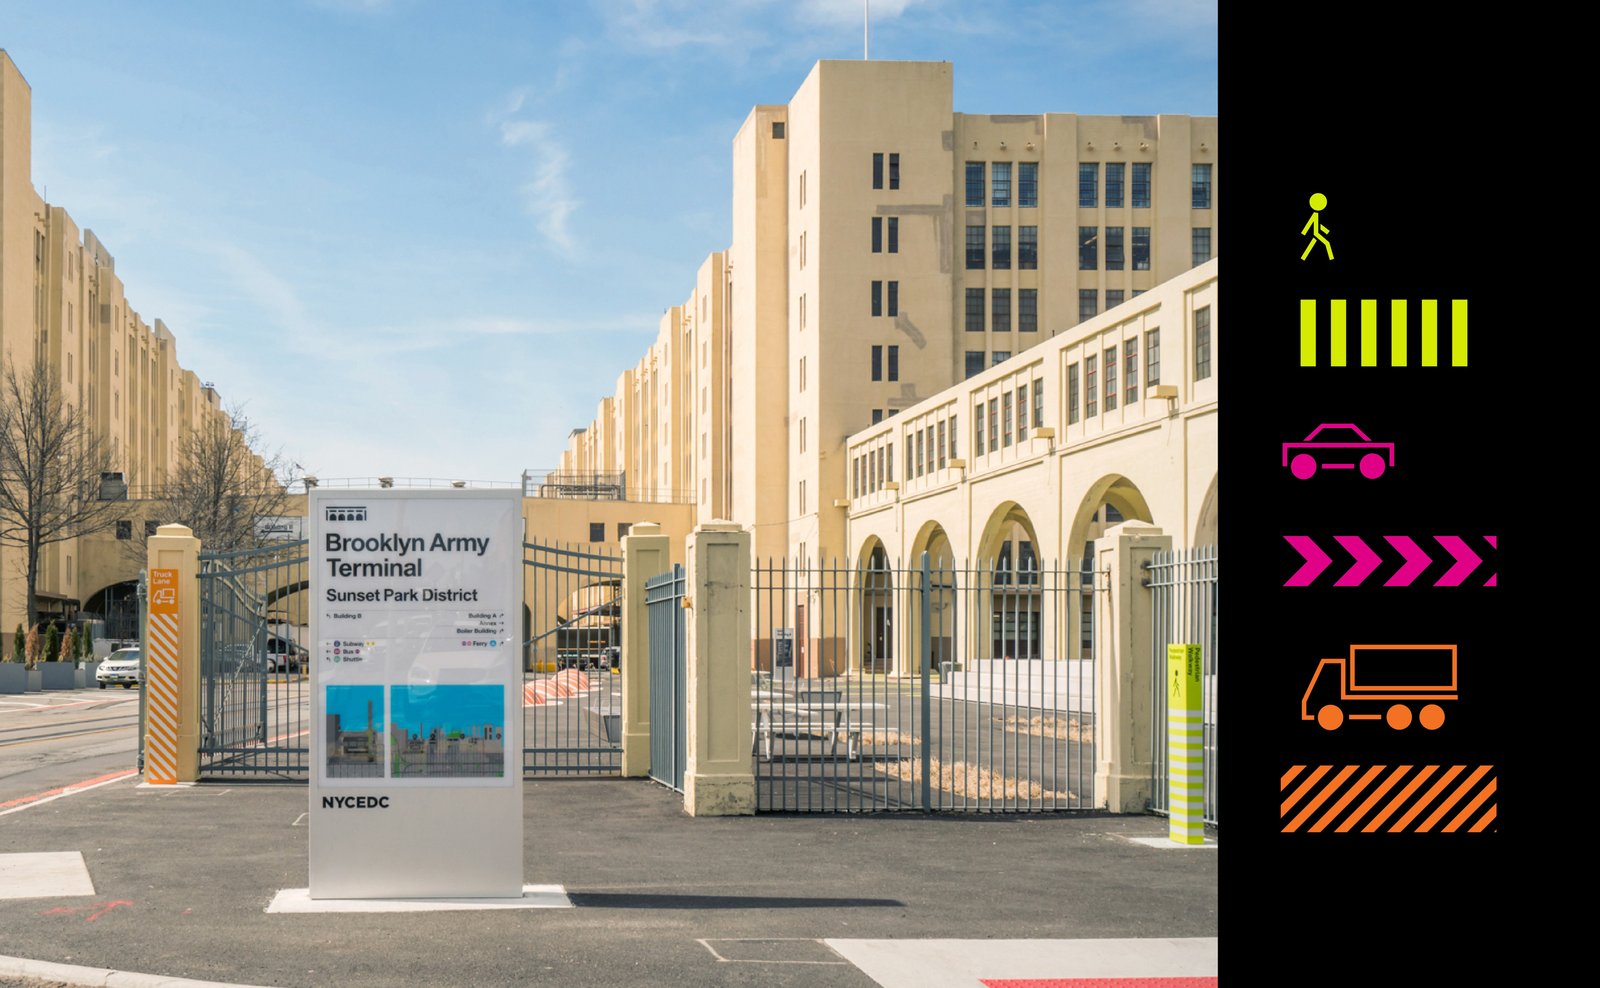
[[109, 777], [1210, 982]]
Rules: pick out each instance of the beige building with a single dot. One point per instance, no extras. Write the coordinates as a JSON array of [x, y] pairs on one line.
[[885, 248], [61, 302]]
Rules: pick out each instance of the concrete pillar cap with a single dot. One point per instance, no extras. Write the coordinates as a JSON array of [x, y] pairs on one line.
[[645, 528], [181, 531]]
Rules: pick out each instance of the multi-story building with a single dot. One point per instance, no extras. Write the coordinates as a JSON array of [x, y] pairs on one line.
[[884, 248], [61, 302]]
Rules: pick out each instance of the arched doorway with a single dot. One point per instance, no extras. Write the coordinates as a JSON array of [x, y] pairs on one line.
[[876, 583], [1009, 582], [1110, 501], [1205, 530], [943, 578], [118, 606]]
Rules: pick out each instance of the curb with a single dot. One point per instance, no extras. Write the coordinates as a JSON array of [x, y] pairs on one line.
[[99, 977]]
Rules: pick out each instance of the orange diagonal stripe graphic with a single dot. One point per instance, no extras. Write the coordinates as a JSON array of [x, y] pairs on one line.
[[1488, 818], [1452, 799], [1370, 801], [1288, 776], [1344, 800], [1427, 797], [1317, 800], [1394, 804], [1311, 780], [1472, 807]]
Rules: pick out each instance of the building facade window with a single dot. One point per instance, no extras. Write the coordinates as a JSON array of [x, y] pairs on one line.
[[1027, 310], [1088, 303], [597, 531], [877, 416], [894, 298], [1114, 256], [802, 190], [1088, 248], [953, 434], [1000, 310], [1130, 371], [894, 171], [999, 357], [877, 170], [877, 239], [974, 363], [1113, 298], [877, 363], [1000, 183], [1072, 394], [894, 234], [1152, 358], [1141, 248], [919, 454], [1088, 184], [974, 310], [622, 529], [974, 247], [802, 497], [977, 433], [975, 183], [1091, 405], [1200, 187], [894, 363], [1116, 171], [1200, 241], [125, 530], [994, 425], [777, 132], [1000, 248], [1038, 402], [1022, 412], [1202, 343], [802, 435], [1028, 248], [1141, 185], [1111, 378], [1005, 419], [941, 444], [877, 298], [1028, 184]]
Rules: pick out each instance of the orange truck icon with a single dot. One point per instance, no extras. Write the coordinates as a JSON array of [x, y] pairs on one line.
[[1392, 683], [166, 595]]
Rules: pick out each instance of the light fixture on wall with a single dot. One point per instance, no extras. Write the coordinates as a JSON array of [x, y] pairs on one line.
[[1030, 145], [1143, 146]]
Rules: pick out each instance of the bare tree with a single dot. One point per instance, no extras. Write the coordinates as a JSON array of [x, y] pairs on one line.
[[51, 460], [225, 485]]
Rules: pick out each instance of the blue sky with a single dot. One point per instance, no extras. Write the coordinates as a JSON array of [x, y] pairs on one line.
[[422, 238], [419, 709], [350, 703]]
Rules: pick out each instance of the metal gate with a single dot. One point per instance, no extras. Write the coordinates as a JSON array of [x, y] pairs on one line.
[[572, 652], [668, 678], [1183, 588], [939, 687], [254, 694]]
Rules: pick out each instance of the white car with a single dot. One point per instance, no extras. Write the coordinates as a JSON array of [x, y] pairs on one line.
[[124, 667]]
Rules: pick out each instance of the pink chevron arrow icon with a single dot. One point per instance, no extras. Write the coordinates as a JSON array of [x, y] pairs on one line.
[[1365, 561], [1494, 579], [1316, 561], [1416, 561], [1466, 560]]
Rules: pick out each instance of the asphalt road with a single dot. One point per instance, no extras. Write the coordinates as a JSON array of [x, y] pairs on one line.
[[59, 738]]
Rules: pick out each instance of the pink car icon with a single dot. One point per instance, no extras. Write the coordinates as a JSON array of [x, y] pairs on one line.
[[1341, 446]]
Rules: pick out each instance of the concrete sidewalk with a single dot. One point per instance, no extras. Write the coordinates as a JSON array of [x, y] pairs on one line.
[[181, 880]]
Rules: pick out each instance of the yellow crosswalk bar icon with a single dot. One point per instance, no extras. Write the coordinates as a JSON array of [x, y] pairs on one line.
[[1367, 332]]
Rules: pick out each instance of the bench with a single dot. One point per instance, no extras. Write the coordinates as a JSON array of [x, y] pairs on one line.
[[826, 723]]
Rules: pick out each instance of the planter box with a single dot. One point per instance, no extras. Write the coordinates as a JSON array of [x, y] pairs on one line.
[[34, 685], [57, 675], [89, 669], [13, 677], [77, 677]]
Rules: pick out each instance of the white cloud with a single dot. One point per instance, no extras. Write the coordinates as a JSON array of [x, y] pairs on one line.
[[850, 11], [547, 196]]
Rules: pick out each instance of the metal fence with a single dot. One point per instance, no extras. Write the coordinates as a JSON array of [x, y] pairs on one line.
[[1183, 586], [932, 687], [664, 598], [254, 695], [572, 699]]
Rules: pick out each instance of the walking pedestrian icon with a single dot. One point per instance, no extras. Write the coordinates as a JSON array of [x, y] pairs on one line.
[[1314, 226]]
